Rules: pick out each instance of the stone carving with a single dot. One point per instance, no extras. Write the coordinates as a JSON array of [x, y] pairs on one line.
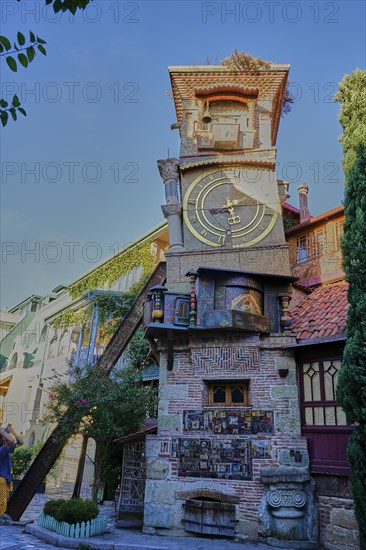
[[285, 498], [288, 515], [170, 209], [169, 169]]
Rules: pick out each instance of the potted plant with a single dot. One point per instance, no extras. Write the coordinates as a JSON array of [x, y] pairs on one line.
[[21, 460]]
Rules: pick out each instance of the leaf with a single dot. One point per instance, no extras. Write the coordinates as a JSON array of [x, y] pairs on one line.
[[16, 47], [15, 102], [20, 38], [57, 6], [48, 2], [32, 37], [40, 40], [3, 103], [4, 117], [5, 42], [21, 110], [12, 63], [42, 50], [23, 60], [30, 53], [1, 48], [13, 113]]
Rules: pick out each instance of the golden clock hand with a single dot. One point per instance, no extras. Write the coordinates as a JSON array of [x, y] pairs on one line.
[[232, 219]]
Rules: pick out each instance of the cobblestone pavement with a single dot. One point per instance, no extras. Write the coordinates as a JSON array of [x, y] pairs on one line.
[[13, 536]]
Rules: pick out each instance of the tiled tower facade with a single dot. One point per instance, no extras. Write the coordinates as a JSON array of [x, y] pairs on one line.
[[228, 458]]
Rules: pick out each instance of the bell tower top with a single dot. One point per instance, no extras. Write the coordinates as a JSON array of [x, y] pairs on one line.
[[220, 109]]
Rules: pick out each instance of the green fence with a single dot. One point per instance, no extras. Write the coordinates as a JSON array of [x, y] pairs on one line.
[[77, 531]]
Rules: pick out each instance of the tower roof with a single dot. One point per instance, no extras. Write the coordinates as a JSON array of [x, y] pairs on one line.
[[267, 84]]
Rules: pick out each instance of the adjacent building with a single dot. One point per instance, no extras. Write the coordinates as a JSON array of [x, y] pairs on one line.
[[49, 336]]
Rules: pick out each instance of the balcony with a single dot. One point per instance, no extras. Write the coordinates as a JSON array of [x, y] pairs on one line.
[[87, 356]]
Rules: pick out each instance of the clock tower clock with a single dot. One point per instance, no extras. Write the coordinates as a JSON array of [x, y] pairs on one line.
[[222, 209]]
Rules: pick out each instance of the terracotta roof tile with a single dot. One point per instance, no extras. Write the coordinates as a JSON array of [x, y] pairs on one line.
[[323, 313]]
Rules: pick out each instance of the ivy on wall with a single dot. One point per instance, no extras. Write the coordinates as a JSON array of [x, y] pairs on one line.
[[72, 318], [112, 309], [111, 271]]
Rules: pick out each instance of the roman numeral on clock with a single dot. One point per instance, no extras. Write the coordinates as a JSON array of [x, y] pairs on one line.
[[192, 219], [268, 211]]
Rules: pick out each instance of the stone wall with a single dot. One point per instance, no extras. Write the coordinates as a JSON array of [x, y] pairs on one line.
[[338, 526]]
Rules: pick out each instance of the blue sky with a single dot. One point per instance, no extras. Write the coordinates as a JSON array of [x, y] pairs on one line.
[[81, 168]]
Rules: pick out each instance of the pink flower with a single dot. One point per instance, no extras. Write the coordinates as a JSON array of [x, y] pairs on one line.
[[82, 403], [51, 395]]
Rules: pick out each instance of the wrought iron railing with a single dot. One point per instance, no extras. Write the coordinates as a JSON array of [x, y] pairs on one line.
[[84, 357]]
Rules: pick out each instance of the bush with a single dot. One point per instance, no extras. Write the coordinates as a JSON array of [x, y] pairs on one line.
[[76, 510], [51, 507], [20, 460]]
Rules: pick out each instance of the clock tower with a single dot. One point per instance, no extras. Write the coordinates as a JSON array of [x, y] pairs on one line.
[[228, 458]]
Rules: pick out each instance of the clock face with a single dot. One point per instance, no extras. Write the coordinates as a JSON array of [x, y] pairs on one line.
[[221, 208]]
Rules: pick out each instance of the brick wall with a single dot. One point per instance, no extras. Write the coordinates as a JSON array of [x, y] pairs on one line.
[[196, 363]]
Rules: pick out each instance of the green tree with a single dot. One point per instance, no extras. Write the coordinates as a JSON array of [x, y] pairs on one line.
[[245, 60], [103, 407], [352, 96], [351, 392], [24, 51]]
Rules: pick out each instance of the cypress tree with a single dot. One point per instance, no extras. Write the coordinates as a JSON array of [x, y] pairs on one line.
[[351, 392]]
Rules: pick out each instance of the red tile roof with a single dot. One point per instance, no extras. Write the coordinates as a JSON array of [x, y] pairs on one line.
[[321, 314]]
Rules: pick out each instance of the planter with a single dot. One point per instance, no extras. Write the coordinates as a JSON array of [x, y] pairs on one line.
[[76, 531]]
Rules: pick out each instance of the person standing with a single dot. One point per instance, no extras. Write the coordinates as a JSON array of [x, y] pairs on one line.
[[9, 441]]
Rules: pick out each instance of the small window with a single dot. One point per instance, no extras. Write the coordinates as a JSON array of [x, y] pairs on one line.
[[229, 394], [338, 233], [319, 382], [320, 242], [303, 249], [181, 311]]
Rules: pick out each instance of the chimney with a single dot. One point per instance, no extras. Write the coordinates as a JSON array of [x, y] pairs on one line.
[[303, 190]]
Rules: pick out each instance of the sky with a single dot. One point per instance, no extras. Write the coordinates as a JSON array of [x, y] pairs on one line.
[[79, 174]]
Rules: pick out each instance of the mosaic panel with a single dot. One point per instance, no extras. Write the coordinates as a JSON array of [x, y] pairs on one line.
[[218, 459], [229, 421]]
